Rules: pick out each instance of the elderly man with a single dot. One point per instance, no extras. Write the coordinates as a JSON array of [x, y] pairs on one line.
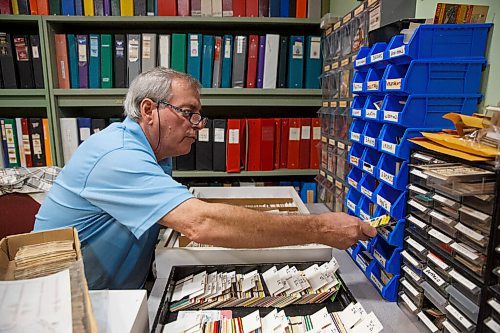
[[116, 191]]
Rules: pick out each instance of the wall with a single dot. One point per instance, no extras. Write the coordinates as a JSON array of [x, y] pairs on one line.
[[342, 7]]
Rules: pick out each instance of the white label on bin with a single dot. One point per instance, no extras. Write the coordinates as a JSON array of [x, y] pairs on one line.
[[356, 112], [384, 203], [369, 141], [441, 217], [384, 232], [321, 172], [329, 178], [494, 304], [409, 303], [371, 114], [351, 205], [294, 134], [324, 139], [434, 277], [458, 316], [492, 324], [389, 147], [417, 189], [376, 281], [354, 160], [356, 86], [417, 222], [410, 288], [341, 145], [361, 263], [418, 173], [436, 234], [368, 167], [416, 205], [364, 216], [349, 250], [372, 85], [412, 260], [414, 276], [366, 192], [365, 244], [463, 281], [361, 62], [393, 84], [377, 57], [379, 257], [397, 51], [415, 245], [332, 142], [355, 136], [352, 182], [391, 116], [444, 200], [449, 327], [385, 176], [441, 264], [474, 213], [427, 322], [219, 135], [469, 232], [465, 252]]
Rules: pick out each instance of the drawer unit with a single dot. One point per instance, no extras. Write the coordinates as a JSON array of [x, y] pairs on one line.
[[463, 304]]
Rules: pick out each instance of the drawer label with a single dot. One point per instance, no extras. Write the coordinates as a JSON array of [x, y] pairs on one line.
[[449, 327], [410, 288], [321, 172], [463, 281], [434, 277], [418, 173], [379, 257], [363, 215], [389, 147], [441, 264], [324, 139], [417, 222], [331, 142], [368, 167], [384, 203], [412, 260], [351, 205], [494, 305], [458, 316], [417, 189], [361, 263], [366, 192], [325, 104], [391, 116], [462, 250], [354, 160], [414, 276], [417, 205], [427, 322], [352, 182], [469, 232], [397, 51], [441, 217], [436, 234], [415, 245], [409, 303]]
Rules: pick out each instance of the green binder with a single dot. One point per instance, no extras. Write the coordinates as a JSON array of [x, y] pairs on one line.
[[179, 48], [12, 142], [106, 61]]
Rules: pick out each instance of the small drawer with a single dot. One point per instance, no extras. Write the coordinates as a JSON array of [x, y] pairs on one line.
[[446, 205], [424, 318], [469, 257], [483, 203], [411, 261], [471, 290], [459, 319], [473, 237], [475, 219], [416, 226], [492, 325], [463, 304], [419, 210], [442, 241], [436, 280], [416, 248], [417, 177], [448, 327], [412, 275], [443, 223], [421, 195], [410, 305], [495, 305], [417, 296], [434, 296], [437, 264]]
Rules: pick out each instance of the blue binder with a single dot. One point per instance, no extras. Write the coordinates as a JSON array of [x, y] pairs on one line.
[[296, 62], [227, 61], [79, 7], [95, 62], [73, 61], [313, 62], [68, 7], [207, 61], [194, 56], [274, 8], [284, 8], [84, 126]]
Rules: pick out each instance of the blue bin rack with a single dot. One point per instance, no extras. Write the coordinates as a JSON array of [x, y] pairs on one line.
[[391, 200], [388, 291], [352, 200], [394, 140], [374, 81], [435, 76], [362, 264], [364, 208], [394, 237], [389, 257], [425, 110], [440, 41], [358, 82], [370, 110], [369, 161], [354, 177], [367, 186], [375, 57], [358, 103], [355, 155], [361, 63], [371, 133], [356, 130], [386, 171]]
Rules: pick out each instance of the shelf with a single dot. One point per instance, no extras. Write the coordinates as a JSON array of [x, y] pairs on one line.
[[19, 18], [23, 98], [209, 97], [272, 173]]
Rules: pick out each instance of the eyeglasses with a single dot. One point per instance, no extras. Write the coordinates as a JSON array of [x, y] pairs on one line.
[[194, 118]]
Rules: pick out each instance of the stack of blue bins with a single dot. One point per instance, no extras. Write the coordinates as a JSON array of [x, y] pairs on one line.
[[400, 90]]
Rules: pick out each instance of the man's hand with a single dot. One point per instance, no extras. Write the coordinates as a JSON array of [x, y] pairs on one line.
[[341, 230]]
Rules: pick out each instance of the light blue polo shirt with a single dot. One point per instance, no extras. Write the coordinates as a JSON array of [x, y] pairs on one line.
[[113, 191]]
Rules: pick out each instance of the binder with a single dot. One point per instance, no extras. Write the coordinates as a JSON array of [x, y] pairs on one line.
[[68, 7], [9, 77], [188, 161], [284, 8], [94, 62], [277, 142], [43, 7], [126, 7], [239, 8], [73, 60], [11, 143], [227, 7], [78, 7], [46, 142], [206, 7], [207, 61], [98, 7], [285, 132], [261, 60], [204, 148], [148, 52], [24, 142], [264, 8], [305, 143], [233, 152], [83, 73], [183, 8], [37, 141], [33, 7], [194, 58], [61, 61], [106, 8], [195, 7], [178, 60], [115, 8], [24, 62], [97, 125], [54, 7], [84, 125], [282, 62], [293, 144], [164, 51], [253, 50], [3, 158], [167, 7], [239, 62], [219, 144], [314, 9], [227, 61], [3, 141], [271, 61], [139, 7], [295, 62], [133, 56], [20, 143], [267, 144], [254, 144], [325, 7], [4, 9], [106, 61], [69, 137], [252, 8], [23, 7], [150, 7], [217, 8], [292, 8], [301, 9], [313, 62], [217, 72], [120, 61], [315, 143], [274, 8], [88, 7]]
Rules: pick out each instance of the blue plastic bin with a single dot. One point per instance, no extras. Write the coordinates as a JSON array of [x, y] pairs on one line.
[[374, 81], [372, 106], [388, 291], [393, 171], [389, 257], [391, 200], [425, 110], [394, 140], [358, 82], [354, 177], [369, 161], [367, 187], [394, 237], [371, 133], [356, 130], [356, 154], [361, 62], [358, 103], [431, 76], [361, 262], [440, 41], [352, 200], [364, 208], [375, 57]]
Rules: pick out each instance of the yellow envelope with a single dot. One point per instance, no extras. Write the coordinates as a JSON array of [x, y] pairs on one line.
[[456, 142], [444, 150]]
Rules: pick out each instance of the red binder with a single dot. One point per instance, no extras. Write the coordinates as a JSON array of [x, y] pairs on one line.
[[33, 7], [62, 61], [233, 146], [301, 9], [293, 144], [267, 145], [285, 125], [305, 143], [167, 7], [239, 8], [26, 142], [315, 143], [277, 142], [252, 8], [254, 144], [243, 144], [253, 50], [43, 7]]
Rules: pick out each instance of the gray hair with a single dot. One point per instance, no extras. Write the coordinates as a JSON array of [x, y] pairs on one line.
[[155, 84]]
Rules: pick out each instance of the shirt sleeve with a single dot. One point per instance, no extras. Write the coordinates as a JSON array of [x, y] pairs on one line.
[[133, 188]]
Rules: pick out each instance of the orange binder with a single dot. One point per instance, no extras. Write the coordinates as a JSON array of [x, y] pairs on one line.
[[233, 146], [46, 142], [43, 7], [301, 9], [305, 143], [62, 61], [293, 144], [267, 144], [315, 143], [277, 142], [285, 126], [33, 7]]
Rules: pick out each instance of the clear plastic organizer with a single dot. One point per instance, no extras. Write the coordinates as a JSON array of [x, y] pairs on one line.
[[440, 41], [330, 85], [417, 177], [374, 83], [472, 237], [410, 260], [428, 322], [341, 124], [416, 294], [368, 185], [358, 103], [416, 249], [436, 263], [389, 290], [441, 241], [474, 218], [408, 303], [412, 274], [393, 171], [462, 303], [355, 155], [443, 223], [339, 199], [492, 325], [391, 200], [435, 76], [356, 130], [342, 163], [421, 195], [372, 106], [417, 226], [482, 203], [369, 160], [425, 110], [331, 164], [370, 134], [418, 210], [393, 234], [394, 140], [468, 288], [448, 327], [389, 257], [459, 319], [354, 177], [352, 200], [358, 82], [436, 280], [469, 257], [446, 205], [434, 296]]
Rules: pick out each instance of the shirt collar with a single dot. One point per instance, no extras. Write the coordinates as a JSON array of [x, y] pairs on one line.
[[136, 131]]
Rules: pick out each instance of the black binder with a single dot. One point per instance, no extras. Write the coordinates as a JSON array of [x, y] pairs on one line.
[[204, 148], [187, 162], [24, 62], [37, 61], [282, 62], [219, 145], [55, 7], [24, 7], [7, 62], [292, 12], [140, 8], [120, 61], [37, 142], [97, 125]]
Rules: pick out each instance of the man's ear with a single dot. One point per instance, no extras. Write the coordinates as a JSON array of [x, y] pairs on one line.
[[147, 107]]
